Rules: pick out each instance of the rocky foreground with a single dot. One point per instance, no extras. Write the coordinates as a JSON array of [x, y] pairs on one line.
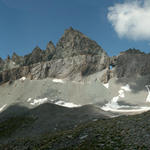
[[122, 133]]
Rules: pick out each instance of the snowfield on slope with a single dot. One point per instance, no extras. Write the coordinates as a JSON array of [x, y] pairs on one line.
[[148, 97], [126, 88], [66, 104], [106, 85], [22, 79], [56, 102], [58, 81], [38, 101], [2, 108], [115, 107]]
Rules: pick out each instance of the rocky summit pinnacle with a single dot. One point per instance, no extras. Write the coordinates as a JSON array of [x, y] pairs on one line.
[[74, 43]]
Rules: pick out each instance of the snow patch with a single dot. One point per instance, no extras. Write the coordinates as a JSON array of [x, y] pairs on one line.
[[106, 85], [148, 97], [2, 108], [56, 102], [112, 105], [38, 101], [126, 88], [22, 79], [130, 109], [115, 107], [121, 93], [66, 104], [29, 99], [58, 80]]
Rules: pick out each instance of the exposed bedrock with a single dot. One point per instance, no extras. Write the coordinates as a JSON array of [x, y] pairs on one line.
[[75, 56], [132, 63], [71, 67]]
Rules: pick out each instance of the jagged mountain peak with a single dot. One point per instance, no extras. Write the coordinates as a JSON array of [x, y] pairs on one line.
[[14, 54], [16, 58], [70, 28], [75, 56], [73, 32], [132, 51], [8, 58], [1, 60], [78, 54], [74, 43], [50, 46], [36, 49]]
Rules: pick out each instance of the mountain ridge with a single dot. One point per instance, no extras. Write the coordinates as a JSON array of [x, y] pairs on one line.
[[84, 55], [75, 60], [79, 56]]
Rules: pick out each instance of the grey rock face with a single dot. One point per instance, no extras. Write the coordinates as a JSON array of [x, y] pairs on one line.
[[1, 64], [49, 52], [74, 43], [39, 55], [68, 67], [132, 63], [75, 55], [107, 76], [34, 57], [14, 74], [17, 59]]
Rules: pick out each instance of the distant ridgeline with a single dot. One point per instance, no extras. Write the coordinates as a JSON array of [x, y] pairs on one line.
[[74, 56]]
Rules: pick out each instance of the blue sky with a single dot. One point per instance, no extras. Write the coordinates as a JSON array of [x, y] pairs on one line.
[[25, 24]]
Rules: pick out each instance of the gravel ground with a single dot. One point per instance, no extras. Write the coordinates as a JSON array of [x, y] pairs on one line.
[[52, 127], [122, 133], [44, 118]]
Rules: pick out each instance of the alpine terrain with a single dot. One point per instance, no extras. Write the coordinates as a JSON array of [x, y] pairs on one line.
[[73, 96]]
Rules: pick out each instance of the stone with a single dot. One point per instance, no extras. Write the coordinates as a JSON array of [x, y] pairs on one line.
[[74, 43], [1, 64], [17, 59], [75, 56], [49, 52], [132, 63], [34, 57]]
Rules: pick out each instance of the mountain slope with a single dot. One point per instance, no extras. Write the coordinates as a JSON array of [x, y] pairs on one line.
[[64, 90], [126, 132]]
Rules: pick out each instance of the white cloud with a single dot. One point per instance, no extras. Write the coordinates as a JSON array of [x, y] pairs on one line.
[[131, 19]]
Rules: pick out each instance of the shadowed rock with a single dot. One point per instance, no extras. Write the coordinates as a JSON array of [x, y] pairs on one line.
[[132, 63]]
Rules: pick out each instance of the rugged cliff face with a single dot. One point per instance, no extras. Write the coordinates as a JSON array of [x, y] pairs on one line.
[[74, 43], [39, 55], [131, 63], [74, 56]]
